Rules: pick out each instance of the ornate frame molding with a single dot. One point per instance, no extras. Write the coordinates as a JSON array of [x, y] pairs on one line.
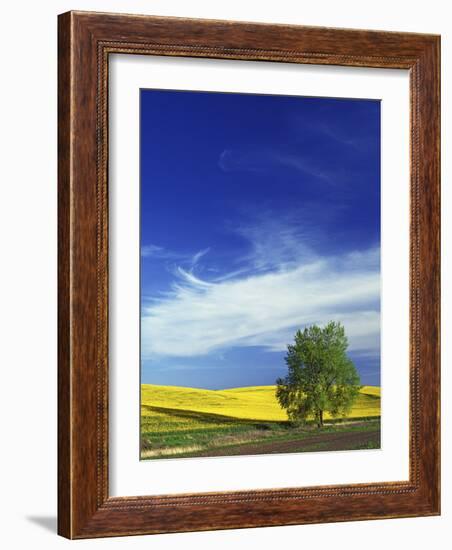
[[85, 42]]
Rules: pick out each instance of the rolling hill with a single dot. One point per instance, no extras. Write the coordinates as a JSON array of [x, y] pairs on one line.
[[179, 421]]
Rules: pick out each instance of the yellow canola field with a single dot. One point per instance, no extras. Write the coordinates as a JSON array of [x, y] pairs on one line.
[[248, 403]]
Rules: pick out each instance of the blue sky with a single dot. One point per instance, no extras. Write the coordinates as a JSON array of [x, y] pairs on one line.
[[259, 215]]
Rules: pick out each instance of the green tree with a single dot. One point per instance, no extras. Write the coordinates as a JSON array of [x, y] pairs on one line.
[[321, 378]]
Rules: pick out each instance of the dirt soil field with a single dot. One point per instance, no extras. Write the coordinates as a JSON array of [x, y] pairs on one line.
[[319, 442]]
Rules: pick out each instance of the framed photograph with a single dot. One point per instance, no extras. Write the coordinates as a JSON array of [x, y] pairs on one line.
[[248, 275]]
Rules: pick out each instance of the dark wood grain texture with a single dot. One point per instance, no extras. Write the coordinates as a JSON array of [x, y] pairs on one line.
[[84, 506], [64, 294]]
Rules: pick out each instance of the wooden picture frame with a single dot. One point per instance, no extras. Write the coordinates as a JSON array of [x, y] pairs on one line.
[[85, 42]]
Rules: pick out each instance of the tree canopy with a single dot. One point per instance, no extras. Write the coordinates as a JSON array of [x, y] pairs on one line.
[[321, 378]]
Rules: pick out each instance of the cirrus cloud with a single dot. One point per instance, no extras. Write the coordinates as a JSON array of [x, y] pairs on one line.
[[197, 317]]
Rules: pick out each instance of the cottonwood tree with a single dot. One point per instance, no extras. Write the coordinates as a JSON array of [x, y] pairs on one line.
[[321, 378]]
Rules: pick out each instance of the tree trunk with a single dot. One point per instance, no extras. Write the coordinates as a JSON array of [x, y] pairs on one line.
[[320, 419]]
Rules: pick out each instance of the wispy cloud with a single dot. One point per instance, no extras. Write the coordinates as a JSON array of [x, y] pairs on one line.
[[198, 255], [191, 279], [298, 155], [358, 140], [263, 309], [276, 242], [161, 253], [151, 250], [260, 160]]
